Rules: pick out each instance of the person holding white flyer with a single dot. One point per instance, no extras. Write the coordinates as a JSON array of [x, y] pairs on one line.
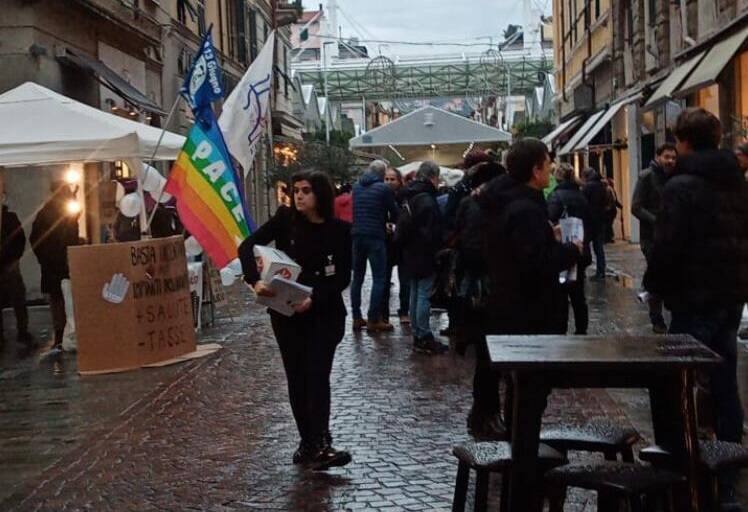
[[567, 202], [321, 245]]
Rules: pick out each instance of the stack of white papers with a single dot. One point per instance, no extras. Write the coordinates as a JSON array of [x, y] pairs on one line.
[[287, 293], [572, 230]]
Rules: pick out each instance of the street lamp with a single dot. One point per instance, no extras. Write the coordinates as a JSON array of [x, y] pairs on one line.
[[328, 118]]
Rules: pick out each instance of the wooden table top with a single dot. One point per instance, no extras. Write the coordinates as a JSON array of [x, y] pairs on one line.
[[591, 353]]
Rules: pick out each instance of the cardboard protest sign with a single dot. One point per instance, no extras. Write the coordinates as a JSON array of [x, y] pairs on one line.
[[132, 304], [218, 296], [195, 272]]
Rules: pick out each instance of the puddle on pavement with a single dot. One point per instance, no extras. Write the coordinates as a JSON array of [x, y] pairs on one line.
[[626, 280]]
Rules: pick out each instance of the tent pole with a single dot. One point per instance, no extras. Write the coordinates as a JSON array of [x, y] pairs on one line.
[[145, 232]]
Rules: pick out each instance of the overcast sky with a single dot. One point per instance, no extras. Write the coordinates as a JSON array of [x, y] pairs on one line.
[[428, 21]]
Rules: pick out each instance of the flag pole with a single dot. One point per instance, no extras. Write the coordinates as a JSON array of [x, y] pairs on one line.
[[147, 231], [272, 157]]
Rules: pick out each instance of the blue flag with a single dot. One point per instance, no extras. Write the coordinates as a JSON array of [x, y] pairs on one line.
[[203, 83]]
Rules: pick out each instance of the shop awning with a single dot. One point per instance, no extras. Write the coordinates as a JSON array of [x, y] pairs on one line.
[[561, 129], [665, 91], [605, 119], [111, 80], [581, 131], [715, 61]]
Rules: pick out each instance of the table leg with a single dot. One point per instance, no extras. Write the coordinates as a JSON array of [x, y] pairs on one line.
[[530, 399], [674, 421]]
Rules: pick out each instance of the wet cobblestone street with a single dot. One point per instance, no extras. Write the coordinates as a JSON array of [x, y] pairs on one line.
[[217, 433]]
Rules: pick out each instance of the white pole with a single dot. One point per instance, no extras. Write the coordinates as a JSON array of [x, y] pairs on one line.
[[327, 97], [146, 232]]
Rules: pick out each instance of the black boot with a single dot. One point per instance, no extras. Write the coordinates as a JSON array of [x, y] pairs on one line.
[[303, 453], [326, 457]]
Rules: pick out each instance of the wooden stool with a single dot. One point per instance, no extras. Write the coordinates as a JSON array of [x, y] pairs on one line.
[[616, 480], [490, 457], [716, 457], [606, 438]]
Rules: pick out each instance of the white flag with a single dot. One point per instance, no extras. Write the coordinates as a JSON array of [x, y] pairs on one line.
[[246, 112]]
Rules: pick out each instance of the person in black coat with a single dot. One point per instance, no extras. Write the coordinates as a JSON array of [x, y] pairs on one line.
[[699, 262], [394, 179], [308, 232], [595, 191], [54, 229], [452, 200], [522, 250], [483, 421], [567, 200], [741, 152], [646, 205], [12, 288], [420, 234]]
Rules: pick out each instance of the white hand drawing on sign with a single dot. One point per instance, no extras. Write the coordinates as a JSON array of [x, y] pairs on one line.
[[115, 290]]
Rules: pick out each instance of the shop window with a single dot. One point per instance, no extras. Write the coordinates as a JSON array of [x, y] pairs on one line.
[[741, 96], [652, 12], [201, 29], [285, 70], [181, 13], [240, 30], [252, 34], [708, 99], [672, 111], [122, 171]]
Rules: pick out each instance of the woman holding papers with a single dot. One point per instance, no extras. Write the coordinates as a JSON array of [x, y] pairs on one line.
[[308, 232]]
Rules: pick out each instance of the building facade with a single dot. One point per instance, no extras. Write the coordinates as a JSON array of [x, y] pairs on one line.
[[627, 69], [129, 58]]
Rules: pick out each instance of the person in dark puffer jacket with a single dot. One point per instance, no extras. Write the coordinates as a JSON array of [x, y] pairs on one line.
[[700, 258], [372, 202]]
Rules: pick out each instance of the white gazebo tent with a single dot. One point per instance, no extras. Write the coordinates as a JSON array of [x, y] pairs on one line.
[[39, 126], [41, 129], [430, 133]]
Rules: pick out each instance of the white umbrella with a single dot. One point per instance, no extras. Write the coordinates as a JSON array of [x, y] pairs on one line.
[[447, 175]]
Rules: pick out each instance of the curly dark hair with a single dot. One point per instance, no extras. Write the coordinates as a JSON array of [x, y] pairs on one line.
[[324, 192]]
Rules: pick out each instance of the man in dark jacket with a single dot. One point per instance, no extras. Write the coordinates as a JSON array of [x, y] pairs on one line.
[[595, 191], [700, 257], [55, 228], [522, 251], [12, 288], [372, 202], [646, 206], [567, 200], [420, 233]]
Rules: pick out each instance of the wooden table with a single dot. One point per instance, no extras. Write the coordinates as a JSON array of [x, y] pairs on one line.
[[662, 364]]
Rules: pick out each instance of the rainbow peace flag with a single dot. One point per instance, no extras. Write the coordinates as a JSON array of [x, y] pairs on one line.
[[208, 192]]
